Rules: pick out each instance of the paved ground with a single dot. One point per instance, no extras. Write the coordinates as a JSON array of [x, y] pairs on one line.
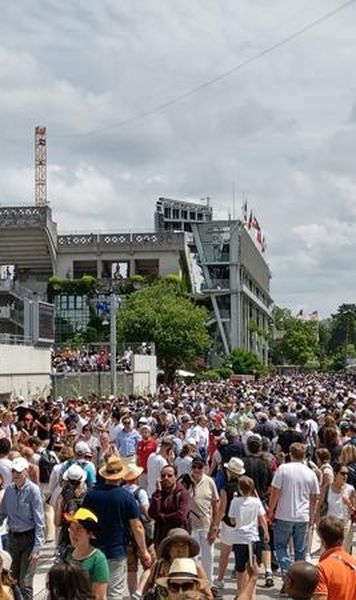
[[229, 587]]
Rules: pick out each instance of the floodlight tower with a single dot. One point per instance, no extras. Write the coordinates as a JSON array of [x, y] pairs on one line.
[[40, 166]]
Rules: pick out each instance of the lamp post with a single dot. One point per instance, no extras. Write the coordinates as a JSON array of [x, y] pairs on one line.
[[110, 312], [113, 344]]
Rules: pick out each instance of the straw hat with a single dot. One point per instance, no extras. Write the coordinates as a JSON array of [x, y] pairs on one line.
[[133, 472], [235, 466], [114, 469], [183, 569], [178, 535]]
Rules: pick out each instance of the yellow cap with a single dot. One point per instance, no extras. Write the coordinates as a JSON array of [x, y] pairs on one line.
[[82, 514]]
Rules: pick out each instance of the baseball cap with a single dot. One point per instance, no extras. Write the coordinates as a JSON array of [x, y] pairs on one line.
[[19, 464], [82, 448], [74, 473], [82, 514]]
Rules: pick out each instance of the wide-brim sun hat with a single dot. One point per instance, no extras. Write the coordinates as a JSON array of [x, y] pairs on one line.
[[178, 535], [114, 469], [235, 466], [183, 569], [133, 472]]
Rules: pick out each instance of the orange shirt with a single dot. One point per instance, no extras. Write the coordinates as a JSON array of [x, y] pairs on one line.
[[337, 577]]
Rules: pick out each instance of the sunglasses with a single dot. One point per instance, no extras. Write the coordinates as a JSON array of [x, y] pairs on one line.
[[197, 467], [344, 472], [185, 586]]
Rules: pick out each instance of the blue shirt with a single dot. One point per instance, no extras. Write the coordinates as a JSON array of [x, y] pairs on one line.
[[127, 441], [114, 507], [24, 511]]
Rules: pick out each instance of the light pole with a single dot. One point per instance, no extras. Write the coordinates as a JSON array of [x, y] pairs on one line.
[[110, 312], [113, 344]]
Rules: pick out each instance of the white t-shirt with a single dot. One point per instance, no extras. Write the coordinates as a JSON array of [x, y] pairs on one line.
[[201, 436], [336, 504], [155, 463], [296, 483], [184, 465], [246, 510]]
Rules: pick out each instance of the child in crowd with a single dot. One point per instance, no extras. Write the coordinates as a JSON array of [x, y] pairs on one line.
[[247, 514]]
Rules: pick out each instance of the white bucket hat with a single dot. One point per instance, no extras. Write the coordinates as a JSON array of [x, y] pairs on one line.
[[235, 465]]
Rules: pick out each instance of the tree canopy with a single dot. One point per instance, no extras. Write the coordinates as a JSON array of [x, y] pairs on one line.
[[161, 314], [293, 341]]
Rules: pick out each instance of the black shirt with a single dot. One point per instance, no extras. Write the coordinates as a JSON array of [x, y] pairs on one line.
[[257, 469]]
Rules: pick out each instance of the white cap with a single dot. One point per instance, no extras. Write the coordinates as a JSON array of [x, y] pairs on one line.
[[19, 464], [6, 560], [75, 473], [82, 448]]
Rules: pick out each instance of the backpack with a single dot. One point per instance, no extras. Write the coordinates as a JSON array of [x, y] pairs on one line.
[[147, 525], [231, 489], [46, 463]]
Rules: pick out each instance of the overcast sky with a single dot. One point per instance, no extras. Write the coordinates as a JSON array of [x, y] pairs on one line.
[[283, 127]]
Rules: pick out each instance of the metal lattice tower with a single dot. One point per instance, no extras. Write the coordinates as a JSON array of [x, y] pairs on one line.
[[40, 166]]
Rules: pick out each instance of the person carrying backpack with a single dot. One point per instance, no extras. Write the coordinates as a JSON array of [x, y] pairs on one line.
[[69, 501], [141, 497], [47, 460]]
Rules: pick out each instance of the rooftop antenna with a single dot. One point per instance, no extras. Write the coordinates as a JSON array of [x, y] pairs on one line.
[[40, 166]]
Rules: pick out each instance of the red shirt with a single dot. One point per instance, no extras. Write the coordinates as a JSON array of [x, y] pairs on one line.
[[144, 449]]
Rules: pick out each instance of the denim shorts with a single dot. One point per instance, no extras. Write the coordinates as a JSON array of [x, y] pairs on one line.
[[242, 556]]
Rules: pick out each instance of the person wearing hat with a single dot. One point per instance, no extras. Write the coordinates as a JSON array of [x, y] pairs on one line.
[[183, 579], [68, 501], [23, 507], [141, 497], [82, 457], [8, 586], [233, 470], [83, 526], [118, 514]]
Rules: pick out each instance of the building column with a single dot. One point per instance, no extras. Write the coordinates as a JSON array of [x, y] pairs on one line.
[[235, 288]]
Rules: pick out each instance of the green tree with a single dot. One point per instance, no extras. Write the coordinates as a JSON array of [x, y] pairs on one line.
[[244, 362], [342, 328], [162, 315], [293, 341]]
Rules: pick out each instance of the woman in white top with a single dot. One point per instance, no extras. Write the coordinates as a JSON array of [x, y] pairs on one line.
[[341, 501]]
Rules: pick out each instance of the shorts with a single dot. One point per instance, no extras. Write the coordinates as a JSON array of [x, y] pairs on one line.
[[134, 558], [242, 555]]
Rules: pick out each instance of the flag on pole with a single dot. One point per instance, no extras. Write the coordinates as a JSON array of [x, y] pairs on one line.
[[250, 220], [244, 211], [256, 224]]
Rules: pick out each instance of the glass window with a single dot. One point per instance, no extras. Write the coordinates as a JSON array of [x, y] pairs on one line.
[[184, 214], [176, 213], [167, 212], [192, 215], [200, 216]]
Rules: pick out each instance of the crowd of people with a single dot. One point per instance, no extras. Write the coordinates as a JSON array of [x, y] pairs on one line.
[[137, 492], [89, 360]]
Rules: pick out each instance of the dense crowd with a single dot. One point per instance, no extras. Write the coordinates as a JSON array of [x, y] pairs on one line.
[[137, 491]]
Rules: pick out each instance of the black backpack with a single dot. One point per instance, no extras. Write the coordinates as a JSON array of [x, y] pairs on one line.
[[46, 463]]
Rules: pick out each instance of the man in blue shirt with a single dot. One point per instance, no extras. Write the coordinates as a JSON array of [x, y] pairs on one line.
[[118, 515], [127, 441], [22, 505]]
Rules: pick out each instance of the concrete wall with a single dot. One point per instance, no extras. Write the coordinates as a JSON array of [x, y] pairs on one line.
[[141, 381], [168, 260], [24, 370], [145, 374]]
